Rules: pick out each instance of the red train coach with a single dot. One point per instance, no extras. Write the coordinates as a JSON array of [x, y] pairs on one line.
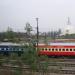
[[57, 49]]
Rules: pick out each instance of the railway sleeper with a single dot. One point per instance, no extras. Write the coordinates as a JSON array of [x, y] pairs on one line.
[[61, 64], [67, 71]]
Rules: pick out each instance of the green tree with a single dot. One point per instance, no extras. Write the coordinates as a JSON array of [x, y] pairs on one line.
[[10, 34], [31, 58]]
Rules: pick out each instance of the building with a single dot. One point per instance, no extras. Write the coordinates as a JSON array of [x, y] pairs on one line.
[[68, 29]]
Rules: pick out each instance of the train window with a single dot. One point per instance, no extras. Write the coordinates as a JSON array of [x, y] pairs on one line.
[[52, 49], [17, 49], [59, 49], [42, 48], [70, 49], [56, 49], [8, 49], [63, 49], [0, 48], [21, 49], [5, 49], [49, 49], [46, 49], [12, 49], [67, 49], [73, 49]]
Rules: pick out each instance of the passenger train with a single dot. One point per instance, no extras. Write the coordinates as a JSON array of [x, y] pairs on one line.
[[57, 49], [7, 48], [51, 49]]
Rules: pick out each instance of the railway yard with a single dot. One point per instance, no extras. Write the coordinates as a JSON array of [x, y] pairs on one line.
[[12, 62], [62, 67], [57, 66]]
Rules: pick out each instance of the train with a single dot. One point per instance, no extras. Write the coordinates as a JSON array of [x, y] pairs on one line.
[[57, 49], [50, 49], [63, 40], [6, 48]]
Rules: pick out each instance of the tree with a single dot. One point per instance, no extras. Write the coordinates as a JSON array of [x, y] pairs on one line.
[[31, 58], [28, 28], [9, 34], [45, 38], [59, 33]]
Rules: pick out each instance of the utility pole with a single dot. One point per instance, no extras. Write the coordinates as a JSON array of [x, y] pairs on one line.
[[37, 32], [45, 40]]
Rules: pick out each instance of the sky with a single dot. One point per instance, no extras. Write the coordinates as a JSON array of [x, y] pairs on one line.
[[52, 14]]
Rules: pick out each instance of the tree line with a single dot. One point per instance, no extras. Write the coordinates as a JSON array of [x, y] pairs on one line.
[[12, 36]]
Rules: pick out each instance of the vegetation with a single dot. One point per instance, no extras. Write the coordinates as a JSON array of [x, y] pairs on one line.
[[29, 58], [11, 36], [28, 28], [32, 59], [68, 36]]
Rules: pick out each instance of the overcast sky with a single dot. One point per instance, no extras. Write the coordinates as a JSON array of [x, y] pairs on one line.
[[52, 14]]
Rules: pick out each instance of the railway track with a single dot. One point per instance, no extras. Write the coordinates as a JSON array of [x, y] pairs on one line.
[[67, 71], [61, 66], [56, 71]]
